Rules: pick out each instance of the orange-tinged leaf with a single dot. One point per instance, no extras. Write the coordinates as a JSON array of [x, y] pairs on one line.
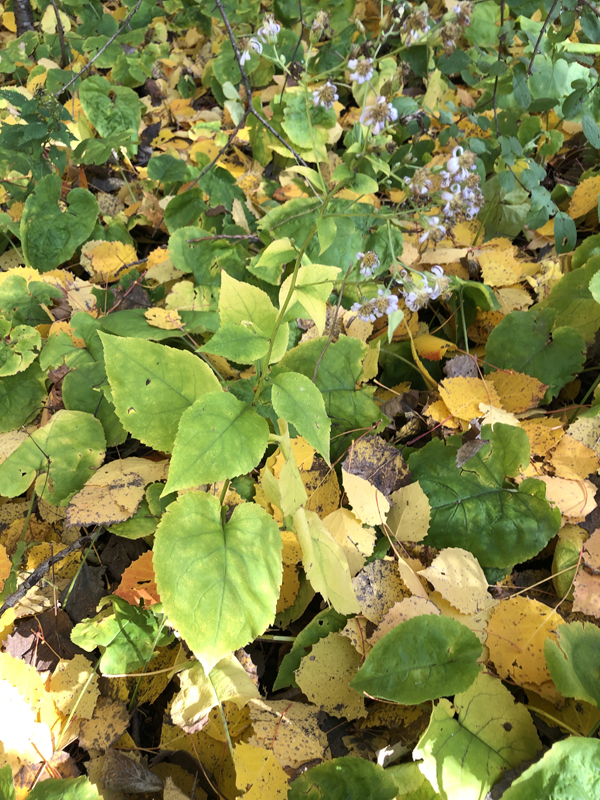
[[138, 582], [587, 594], [433, 348]]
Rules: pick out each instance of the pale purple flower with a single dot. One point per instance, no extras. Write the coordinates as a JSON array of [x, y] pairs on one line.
[[378, 115], [362, 69], [270, 29], [326, 95], [246, 46], [369, 262]]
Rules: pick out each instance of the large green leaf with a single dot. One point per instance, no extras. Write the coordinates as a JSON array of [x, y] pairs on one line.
[[247, 324], [313, 286], [421, 659], [218, 582], [473, 508], [22, 301], [21, 397], [325, 562], [411, 783], [82, 391], [469, 744], [297, 400], [63, 455], [112, 109], [574, 302], [337, 377], [574, 661], [126, 636], [568, 771], [526, 342], [50, 236], [346, 778], [64, 789], [219, 437], [152, 385]]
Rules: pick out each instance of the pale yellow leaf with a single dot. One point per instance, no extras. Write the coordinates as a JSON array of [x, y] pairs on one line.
[[409, 517], [168, 320], [458, 577], [258, 773], [369, 504], [290, 729], [356, 541], [74, 687], [400, 612], [108, 262]]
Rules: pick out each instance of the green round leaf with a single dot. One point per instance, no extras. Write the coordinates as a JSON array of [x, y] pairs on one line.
[[574, 661], [574, 304], [297, 400], [421, 659], [63, 455], [472, 508], [64, 789], [152, 385], [344, 778], [21, 397], [112, 109], [219, 437], [218, 583], [50, 236], [569, 771]]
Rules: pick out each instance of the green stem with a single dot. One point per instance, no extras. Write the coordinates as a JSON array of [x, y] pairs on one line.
[[141, 678], [463, 320], [223, 719]]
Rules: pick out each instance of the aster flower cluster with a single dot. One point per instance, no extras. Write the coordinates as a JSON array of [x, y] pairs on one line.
[[369, 262], [246, 46], [462, 195], [419, 288], [420, 184], [269, 30], [384, 304]]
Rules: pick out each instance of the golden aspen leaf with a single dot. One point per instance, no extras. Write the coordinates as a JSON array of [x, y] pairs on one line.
[[573, 715], [517, 632], [585, 197], [356, 327], [406, 609], [356, 541], [378, 587], [292, 551], [433, 348], [258, 773], [74, 687], [159, 267], [543, 434], [409, 517], [109, 721], [501, 267], [356, 631], [66, 568], [107, 261], [8, 20], [289, 729], [513, 298], [575, 499], [115, 491], [7, 624], [440, 413], [320, 481], [458, 577], [167, 320], [573, 460], [409, 569], [462, 396], [139, 583], [587, 431], [517, 391], [325, 674], [369, 504], [290, 586]]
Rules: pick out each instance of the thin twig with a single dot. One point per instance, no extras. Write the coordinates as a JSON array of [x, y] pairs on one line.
[[539, 39], [247, 236], [37, 575], [104, 47], [591, 6], [248, 88], [333, 322], [61, 36], [287, 74]]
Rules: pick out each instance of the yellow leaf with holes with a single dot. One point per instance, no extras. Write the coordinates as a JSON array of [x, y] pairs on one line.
[[585, 197], [108, 262], [163, 318], [517, 391], [458, 577], [324, 676], [462, 396], [517, 632], [409, 517], [573, 460], [74, 687], [258, 773], [289, 729]]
